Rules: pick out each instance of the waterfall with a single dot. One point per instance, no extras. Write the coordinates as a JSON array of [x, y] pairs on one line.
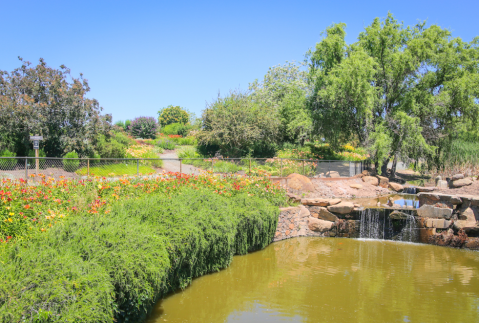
[[409, 190], [376, 224]]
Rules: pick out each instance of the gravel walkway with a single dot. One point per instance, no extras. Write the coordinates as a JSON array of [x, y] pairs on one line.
[[174, 165]]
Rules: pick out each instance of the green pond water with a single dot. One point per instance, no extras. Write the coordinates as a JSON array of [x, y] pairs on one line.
[[334, 280]]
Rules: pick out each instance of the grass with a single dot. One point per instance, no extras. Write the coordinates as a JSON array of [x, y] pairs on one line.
[[117, 169]]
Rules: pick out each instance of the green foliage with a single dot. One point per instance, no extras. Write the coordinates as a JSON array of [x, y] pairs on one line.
[[188, 152], [173, 114], [115, 267], [127, 124], [144, 127], [166, 144], [110, 147], [116, 169], [51, 103], [120, 124], [7, 164], [71, 165], [400, 91], [240, 125]]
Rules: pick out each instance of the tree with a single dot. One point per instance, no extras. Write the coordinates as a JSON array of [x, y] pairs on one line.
[[46, 101], [285, 88], [238, 125], [401, 91], [173, 114], [144, 127]]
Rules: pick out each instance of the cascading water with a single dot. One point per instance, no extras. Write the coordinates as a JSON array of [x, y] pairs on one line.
[[410, 190], [377, 224]]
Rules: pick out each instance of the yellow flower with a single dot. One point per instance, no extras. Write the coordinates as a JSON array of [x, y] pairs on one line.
[[11, 213], [10, 220], [99, 186]]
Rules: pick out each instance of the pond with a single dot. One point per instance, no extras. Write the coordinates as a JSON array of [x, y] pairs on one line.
[[334, 280]]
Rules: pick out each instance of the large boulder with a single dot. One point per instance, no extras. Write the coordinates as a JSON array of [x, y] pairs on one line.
[[299, 182], [317, 225], [461, 182], [371, 180], [396, 187], [315, 202], [322, 213], [420, 189], [429, 211], [441, 184], [341, 208]]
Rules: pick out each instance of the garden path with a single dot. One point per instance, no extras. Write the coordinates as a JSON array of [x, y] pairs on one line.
[[173, 165]]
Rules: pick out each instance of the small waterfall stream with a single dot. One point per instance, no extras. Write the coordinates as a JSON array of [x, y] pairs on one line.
[[377, 224]]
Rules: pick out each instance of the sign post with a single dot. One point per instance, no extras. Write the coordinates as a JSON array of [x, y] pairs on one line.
[[36, 145]]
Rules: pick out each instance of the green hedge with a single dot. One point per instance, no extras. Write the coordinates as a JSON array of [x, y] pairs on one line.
[[116, 266]]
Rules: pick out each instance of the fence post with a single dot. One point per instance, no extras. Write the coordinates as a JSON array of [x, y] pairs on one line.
[[26, 170], [180, 166], [88, 168], [281, 168], [137, 167]]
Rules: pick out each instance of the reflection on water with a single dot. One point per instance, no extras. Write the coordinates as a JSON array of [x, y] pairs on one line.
[[401, 200], [334, 280]]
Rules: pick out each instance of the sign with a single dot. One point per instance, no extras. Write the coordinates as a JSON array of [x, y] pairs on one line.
[[36, 144], [36, 137]]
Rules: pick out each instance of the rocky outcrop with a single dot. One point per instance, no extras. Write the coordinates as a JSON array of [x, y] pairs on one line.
[[457, 176], [466, 219], [383, 181], [356, 186], [332, 174]]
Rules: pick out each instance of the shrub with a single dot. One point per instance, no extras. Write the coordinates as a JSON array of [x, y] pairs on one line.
[[144, 127], [155, 162], [188, 152], [120, 124], [173, 114], [71, 165], [110, 148], [42, 163], [127, 124], [166, 144], [114, 268], [9, 163], [123, 139]]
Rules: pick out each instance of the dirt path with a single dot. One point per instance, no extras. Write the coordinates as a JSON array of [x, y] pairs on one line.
[[173, 165]]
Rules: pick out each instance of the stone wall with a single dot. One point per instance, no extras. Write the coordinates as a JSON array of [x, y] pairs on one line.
[[443, 220]]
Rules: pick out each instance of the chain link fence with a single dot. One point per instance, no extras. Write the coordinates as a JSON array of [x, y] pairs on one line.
[[27, 168]]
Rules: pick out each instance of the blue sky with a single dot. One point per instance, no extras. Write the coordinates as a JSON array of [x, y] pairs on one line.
[[140, 56]]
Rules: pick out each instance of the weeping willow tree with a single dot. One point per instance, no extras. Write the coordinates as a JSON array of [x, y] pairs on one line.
[[400, 91]]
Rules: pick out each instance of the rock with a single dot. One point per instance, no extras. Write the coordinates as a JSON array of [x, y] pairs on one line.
[[333, 174], [466, 219], [437, 179], [472, 243], [334, 201], [457, 176], [322, 213], [366, 173], [429, 211], [356, 186], [293, 197], [383, 181], [424, 189], [317, 225], [357, 205], [396, 187], [341, 208], [299, 182], [438, 223], [425, 234], [371, 180], [304, 212], [461, 182], [441, 184], [396, 215], [316, 201]]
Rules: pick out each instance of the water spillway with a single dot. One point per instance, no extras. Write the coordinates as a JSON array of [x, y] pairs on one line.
[[387, 224]]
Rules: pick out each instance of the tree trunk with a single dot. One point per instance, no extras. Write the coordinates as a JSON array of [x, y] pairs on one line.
[[384, 167]]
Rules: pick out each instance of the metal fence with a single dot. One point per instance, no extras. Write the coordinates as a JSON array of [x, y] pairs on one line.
[[27, 168]]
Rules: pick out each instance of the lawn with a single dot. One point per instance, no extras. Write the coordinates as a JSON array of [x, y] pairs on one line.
[[113, 170]]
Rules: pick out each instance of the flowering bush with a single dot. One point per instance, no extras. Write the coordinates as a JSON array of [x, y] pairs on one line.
[[26, 209], [144, 127]]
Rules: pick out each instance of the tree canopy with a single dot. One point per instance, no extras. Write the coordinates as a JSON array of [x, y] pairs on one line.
[[401, 91], [46, 101], [173, 114]]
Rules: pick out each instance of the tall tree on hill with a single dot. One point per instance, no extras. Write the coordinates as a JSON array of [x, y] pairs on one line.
[[401, 91], [46, 101]]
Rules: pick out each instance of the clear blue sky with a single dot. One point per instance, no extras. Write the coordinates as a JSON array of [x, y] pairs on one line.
[[140, 56]]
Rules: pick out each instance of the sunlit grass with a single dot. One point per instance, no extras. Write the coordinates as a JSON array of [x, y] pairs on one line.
[[116, 170]]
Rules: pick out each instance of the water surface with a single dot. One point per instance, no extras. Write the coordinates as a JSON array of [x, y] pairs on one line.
[[334, 280]]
